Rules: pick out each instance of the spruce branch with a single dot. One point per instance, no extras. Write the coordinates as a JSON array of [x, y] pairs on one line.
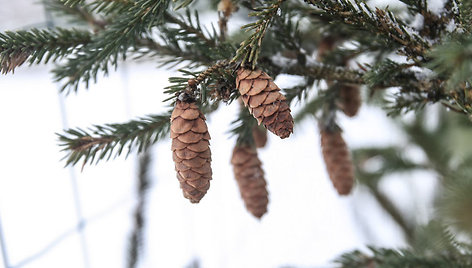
[[452, 61], [137, 235], [103, 142], [102, 6], [75, 14], [112, 43], [189, 28], [382, 257], [39, 46], [250, 48], [321, 71], [380, 21], [242, 127], [188, 84]]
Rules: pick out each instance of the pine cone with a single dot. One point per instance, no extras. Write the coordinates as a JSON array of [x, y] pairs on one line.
[[338, 161], [350, 99], [326, 45], [250, 177], [260, 136], [191, 150], [264, 101]]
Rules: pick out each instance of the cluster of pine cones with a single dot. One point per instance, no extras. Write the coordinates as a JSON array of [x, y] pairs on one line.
[[262, 97]]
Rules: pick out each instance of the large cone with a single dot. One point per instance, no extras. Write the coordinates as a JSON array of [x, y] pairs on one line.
[[191, 150], [265, 102], [250, 177], [338, 161], [350, 99]]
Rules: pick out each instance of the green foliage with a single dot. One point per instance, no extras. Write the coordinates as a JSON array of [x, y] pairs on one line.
[[250, 48], [243, 125], [39, 46], [382, 22], [456, 203], [387, 258], [103, 142], [112, 43], [452, 61]]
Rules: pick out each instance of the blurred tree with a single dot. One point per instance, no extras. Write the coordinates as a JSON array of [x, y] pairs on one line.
[[421, 56]]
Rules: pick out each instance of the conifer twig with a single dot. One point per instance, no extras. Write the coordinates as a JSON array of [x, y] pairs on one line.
[[378, 22], [38, 46], [101, 141], [249, 50], [136, 237]]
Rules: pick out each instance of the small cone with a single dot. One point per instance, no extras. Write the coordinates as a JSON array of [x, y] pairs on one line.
[[338, 161], [350, 99], [326, 45], [264, 101], [191, 150], [250, 177], [259, 134]]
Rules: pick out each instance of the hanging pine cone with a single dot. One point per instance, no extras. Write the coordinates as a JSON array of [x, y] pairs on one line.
[[191, 150], [326, 45], [338, 161], [259, 134], [350, 99], [264, 101], [250, 177]]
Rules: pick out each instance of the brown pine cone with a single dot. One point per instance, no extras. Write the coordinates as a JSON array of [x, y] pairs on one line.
[[259, 134], [191, 150], [250, 177], [264, 101], [350, 99], [338, 161], [326, 45]]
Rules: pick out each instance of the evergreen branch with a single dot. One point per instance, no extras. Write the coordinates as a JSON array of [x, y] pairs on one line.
[[136, 238], [38, 46], [250, 48], [187, 27], [189, 43], [101, 141], [76, 14], [452, 61], [169, 53], [111, 43], [435, 238], [311, 107], [102, 6], [242, 127], [393, 211], [404, 102], [182, 4], [382, 257], [189, 83], [465, 14], [388, 73], [378, 22], [318, 72]]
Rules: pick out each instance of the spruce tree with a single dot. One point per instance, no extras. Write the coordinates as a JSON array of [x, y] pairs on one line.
[[341, 48]]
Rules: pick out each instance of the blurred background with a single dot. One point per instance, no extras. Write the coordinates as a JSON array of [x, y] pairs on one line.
[[51, 216]]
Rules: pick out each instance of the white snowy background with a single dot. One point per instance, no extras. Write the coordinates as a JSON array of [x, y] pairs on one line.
[[307, 225]]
